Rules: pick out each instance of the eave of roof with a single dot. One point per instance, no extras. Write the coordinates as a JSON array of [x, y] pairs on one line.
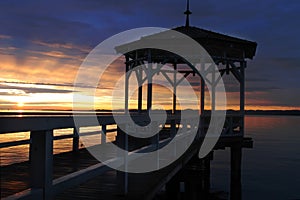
[[216, 44]]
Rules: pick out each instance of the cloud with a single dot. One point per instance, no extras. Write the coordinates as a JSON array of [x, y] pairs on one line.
[[68, 46], [9, 50], [2, 37], [56, 54], [13, 90]]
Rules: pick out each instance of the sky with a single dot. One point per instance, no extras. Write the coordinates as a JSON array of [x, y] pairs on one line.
[[43, 43]]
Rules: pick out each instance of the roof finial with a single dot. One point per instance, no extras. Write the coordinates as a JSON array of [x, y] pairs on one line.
[[187, 13]]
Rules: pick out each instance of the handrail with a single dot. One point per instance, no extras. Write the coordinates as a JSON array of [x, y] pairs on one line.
[[46, 125]]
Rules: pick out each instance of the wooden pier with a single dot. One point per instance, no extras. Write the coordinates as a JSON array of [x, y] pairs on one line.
[[49, 177]]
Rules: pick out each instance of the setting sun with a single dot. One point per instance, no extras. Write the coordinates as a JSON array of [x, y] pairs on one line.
[[20, 104]]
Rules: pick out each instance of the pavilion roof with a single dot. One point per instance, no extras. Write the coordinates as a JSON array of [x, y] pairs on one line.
[[216, 44]]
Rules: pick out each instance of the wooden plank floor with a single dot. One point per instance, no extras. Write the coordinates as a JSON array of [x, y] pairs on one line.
[[101, 187], [140, 186], [15, 177]]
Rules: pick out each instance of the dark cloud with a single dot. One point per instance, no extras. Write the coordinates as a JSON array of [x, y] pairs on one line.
[[254, 79], [275, 97]]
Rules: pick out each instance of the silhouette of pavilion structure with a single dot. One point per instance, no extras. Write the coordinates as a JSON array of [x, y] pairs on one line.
[[229, 53]]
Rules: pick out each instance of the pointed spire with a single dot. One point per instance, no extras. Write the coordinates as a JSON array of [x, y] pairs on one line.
[[187, 13]]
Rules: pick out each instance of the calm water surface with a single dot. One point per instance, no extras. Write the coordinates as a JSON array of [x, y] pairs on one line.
[[21, 153], [271, 170]]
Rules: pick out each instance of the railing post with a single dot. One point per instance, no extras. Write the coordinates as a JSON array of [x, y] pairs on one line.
[[173, 128], [122, 177], [30, 149], [103, 134], [173, 135], [42, 162], [155, 141], [184, 131], [230, 125], [75, 139], [201, 128]]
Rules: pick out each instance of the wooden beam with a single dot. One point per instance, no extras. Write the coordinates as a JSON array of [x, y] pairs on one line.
[[219, 78], [235, 71], [167, 77], [182, 78]]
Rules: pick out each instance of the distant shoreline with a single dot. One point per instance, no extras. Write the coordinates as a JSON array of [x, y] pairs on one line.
[[273, 112], [105, 112]]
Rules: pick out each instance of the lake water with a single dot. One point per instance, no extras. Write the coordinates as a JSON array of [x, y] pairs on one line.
[[21, 153], [271, 170]]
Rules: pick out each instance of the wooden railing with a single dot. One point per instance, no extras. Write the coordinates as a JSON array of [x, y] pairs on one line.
[[41, 146]]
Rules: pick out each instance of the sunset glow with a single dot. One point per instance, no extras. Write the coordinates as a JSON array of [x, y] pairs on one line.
[[41, 91], [39, 65], [20, 104]]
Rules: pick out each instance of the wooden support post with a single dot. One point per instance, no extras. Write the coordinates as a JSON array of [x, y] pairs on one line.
[[202, 96], [42, 162], [206, 175], [173, 128], [140, 97], [242, 95], [103, 134], [75, 140], [196, 176], [155, 144], [139, 76], [230, 124], [235, 180], [213, 90], [30, 149], [173, 135], [126, 85], [202, 102], [242, 86], [173, 188], [122, 177], [149, 76], [174, 88], [192, 187]]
